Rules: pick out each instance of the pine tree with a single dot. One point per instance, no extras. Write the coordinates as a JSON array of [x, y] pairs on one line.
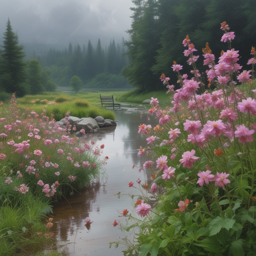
[[14, 75]]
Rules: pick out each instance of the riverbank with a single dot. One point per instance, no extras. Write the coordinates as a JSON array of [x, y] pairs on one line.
[[40, 163]]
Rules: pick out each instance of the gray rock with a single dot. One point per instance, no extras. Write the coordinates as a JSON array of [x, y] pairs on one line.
[[99, 119], [101, 124], [88, 124], [113, 123], [107, 123], [73, 120], [146, 101]]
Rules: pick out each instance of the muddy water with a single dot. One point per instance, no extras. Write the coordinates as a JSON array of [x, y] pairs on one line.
[[99, 201]]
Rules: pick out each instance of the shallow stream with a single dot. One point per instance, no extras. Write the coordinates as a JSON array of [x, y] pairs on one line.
[[99, 201]]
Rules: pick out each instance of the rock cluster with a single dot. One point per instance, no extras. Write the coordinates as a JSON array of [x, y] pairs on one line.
[[89, 124]]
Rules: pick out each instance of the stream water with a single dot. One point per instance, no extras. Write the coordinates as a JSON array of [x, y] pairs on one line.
[[99, 201]]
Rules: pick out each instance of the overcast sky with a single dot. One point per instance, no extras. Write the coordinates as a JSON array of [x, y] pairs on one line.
[[62, 21]]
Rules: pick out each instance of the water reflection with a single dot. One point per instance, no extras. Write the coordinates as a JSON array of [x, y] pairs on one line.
[[98, 201]]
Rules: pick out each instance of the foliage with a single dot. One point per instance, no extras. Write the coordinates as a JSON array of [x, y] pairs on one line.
[[13, 74], [82, 103], [61, 98], [76, 83], [158, 28], [4, 96], [35, 77], [202, 165]]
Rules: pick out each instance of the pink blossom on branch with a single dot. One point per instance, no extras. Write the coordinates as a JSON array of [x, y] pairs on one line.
[[168, 173], [143, 209], [161, 162]]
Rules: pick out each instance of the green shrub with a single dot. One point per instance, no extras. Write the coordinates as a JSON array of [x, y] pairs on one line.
[[82, 103], [61, 98], [4, 96]]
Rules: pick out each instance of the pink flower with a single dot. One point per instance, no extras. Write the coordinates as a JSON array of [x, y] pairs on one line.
[[153, 188], [87, 146], [2, 156], [183, 205], [161, 162], [244, 76], [154, 101], [85, 164], [30, 134], [57, 173], [173, 156], [223, 79], [32, 162], [94, 165], [192, 126], [177, 67], [47, 164], [3, 135], [23, 189], [189, 158], [30, 169], [221, 179], [138, 180], [48, 142], [8, 180], [229, 114], [190, 87], [38, 137], [174, 133], [151, 139], [60, 151], [56, 141], [77, 164], [148, 165], [247, 106], [55, 165], [40, 183], [143, 209], [72, 178], [229, 36], [38, 152], [205, 177], [141, 151], [244, 134], [168, 173], [88, 221], [215, 128]]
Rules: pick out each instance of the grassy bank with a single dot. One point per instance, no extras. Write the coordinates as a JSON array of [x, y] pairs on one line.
[[58, 104], [138, 96], [39, 163]]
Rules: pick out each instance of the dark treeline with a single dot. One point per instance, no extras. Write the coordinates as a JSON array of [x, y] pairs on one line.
[[96, 66], [17, 76], [159, 27]]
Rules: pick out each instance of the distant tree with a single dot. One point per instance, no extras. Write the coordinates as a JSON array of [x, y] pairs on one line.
[[35, 77], [14, 74], [76, 83], [47, 83]]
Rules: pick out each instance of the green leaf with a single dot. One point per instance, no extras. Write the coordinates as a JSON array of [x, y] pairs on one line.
[[223, 202], [218, 223], [145, 249], [237, 205], [236, 248], [155, 249], [164, 243], [210, 245]]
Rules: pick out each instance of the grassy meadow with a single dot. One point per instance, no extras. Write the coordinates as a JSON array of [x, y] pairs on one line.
[[82, 104]]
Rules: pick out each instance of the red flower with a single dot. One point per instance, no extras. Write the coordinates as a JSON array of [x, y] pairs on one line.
[[115, 223], [125, 212], [130, 184], [106, 157], [102, 146], [138, 202]]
